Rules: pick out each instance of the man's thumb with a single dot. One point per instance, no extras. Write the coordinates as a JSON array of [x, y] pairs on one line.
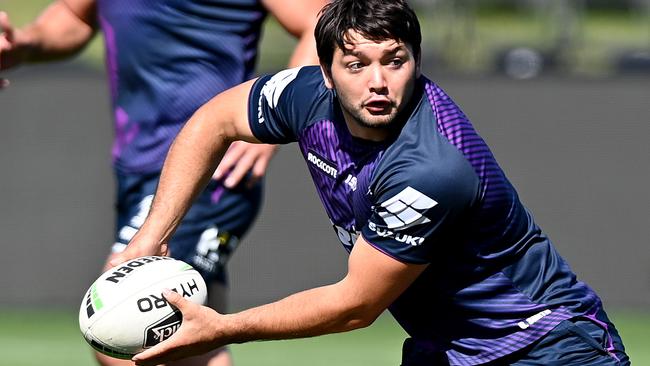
[[174, 299], [119, 259]]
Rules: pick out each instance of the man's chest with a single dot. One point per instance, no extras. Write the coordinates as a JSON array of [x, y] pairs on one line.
[[342, 177]]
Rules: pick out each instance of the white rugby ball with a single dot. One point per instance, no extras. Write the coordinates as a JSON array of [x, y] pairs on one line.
[[124, 312]]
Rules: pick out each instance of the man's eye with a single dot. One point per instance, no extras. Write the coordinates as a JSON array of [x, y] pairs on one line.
[[396, 62], [355, 66]]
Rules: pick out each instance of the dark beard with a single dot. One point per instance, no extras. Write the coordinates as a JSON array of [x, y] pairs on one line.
[[383, 125]]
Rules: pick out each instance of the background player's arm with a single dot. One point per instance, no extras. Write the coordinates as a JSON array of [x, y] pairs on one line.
[[374, 280], [299, 19], [189, 165], [61, 30]]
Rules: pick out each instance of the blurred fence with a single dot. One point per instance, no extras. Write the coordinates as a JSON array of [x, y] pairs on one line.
[[519, 38], [528, 38]]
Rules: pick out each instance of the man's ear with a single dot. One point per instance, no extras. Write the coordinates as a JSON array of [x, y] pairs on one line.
[[327, 76]]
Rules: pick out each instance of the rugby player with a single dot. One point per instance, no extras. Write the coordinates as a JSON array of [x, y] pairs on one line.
[[436, 232]]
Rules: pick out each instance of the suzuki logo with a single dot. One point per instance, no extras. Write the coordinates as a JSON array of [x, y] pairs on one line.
[[405, 209]]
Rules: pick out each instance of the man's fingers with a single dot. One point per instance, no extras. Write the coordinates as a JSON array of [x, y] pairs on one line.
[[230, 159], [241, 159], [170, 349], [5, 26], [258, 171], [156, 355], [130, 253], [6, 44], [244, 165], [4, 83]]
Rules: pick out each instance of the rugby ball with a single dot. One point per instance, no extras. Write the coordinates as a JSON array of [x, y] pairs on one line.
[[124, 312]]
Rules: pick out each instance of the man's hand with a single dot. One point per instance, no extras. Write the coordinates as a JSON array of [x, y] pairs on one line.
[[10, 53], [61, 30], [138, 248], [241, 158], [195, 336]]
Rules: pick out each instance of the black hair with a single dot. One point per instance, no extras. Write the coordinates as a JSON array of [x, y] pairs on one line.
[[376, 20]]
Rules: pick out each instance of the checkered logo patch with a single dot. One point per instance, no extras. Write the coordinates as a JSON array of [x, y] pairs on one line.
[[405, 209]]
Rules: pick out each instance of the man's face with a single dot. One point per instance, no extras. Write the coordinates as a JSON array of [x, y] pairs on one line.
[[373, 81]]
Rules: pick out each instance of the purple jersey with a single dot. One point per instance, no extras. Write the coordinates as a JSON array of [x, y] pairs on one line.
[[435, 194], [167, 58]]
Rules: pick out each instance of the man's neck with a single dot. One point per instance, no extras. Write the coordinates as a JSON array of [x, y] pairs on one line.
[[366, 133]]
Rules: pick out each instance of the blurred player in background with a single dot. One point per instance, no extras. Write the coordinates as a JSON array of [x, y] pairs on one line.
[[436, 232], [165, 59]]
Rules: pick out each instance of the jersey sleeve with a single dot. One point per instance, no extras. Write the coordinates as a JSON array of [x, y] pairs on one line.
[[282, 104], [416, 210]]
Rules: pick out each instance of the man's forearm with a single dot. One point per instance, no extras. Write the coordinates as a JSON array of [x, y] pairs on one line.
[[56, 34], [313, 312], [304, 53], [188, 167], [373, 282]]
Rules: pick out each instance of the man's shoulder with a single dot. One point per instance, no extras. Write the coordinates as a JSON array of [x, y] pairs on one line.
[[303, 83], [283, 104], [296, 76], [448, 174], [423, 159]]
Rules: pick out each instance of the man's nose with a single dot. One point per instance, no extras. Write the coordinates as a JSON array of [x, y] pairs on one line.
[[377, 80]]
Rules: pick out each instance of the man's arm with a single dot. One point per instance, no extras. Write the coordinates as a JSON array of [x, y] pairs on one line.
[[374, 280], [299, 19], [61, 30], [192, 158]]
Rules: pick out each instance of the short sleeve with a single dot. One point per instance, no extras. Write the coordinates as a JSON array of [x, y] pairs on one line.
[[282, 104], [416, 209]]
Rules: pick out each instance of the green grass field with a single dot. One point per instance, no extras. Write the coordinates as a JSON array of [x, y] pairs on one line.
[[35, 338]]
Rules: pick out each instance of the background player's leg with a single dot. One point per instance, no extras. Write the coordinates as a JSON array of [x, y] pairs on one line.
[[220, 357], [110, 361]]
